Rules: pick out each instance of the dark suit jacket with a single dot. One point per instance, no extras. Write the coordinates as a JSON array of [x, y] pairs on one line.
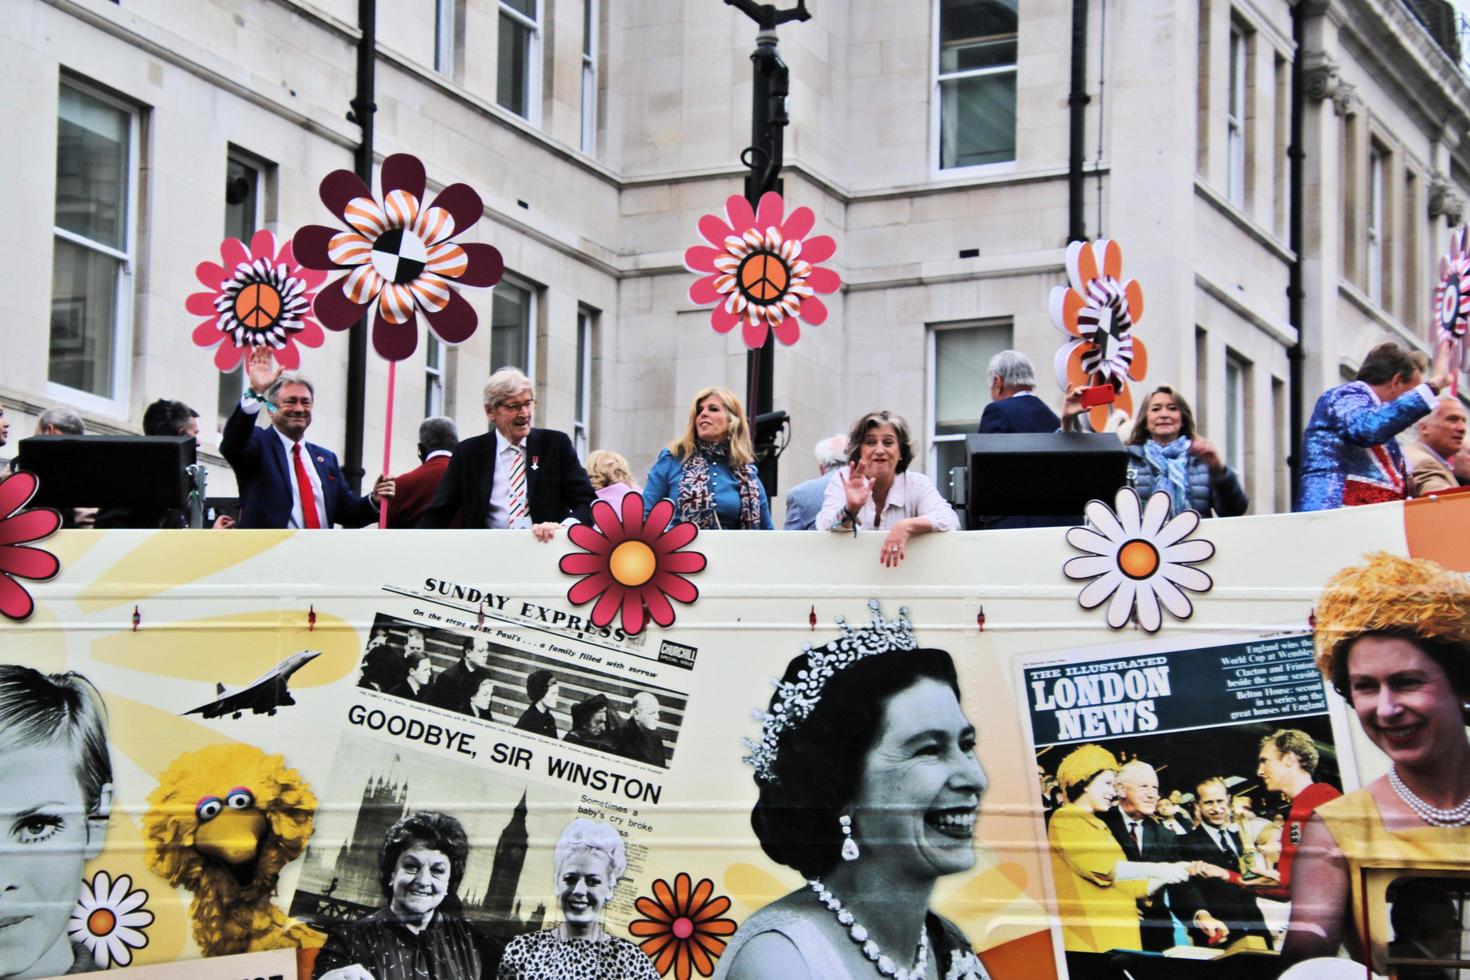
[[556, 485], [415, 491], [1022, 413], [455, 685], [260, 464], [1019, 413], [1234, 905], [1159, 844]]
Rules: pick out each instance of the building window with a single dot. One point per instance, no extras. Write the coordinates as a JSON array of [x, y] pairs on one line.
[[976, 82], [517, 85], [91, 272], [243, 200], [1236, 374], [1235, 121], [444, 36], [589, 76], [958, 359], [581, 424], [1375, 223], [512, 312], [1411, 289], [433, 377]]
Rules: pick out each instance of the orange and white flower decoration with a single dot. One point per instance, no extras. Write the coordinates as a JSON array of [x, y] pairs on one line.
[[109, 920], [1139, 560], [631, 564], [1452, 299], [1098, 312], [760, 270], [683, 930]]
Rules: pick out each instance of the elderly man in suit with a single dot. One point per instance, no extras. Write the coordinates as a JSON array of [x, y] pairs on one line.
[[804, 501], [1014, 405], [1441, 434], [1143, 838], [1215, 841], [415, 489], [285, 481], [513, 476]]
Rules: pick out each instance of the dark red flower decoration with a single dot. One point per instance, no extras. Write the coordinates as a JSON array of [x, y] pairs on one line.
[[683, 928], [631, 564], [18, 527], [399, 255]]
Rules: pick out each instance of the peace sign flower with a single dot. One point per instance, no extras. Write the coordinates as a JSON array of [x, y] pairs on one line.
[[1140, 560], [761, 270], [1098, 312], [1452, 295], [255, 297], [683, 927], [399, 255], [109, 919], [16, 530], [631, 564]]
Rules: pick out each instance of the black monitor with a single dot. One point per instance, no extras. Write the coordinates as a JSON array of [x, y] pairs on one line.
[[1042, 473], [109, 471]]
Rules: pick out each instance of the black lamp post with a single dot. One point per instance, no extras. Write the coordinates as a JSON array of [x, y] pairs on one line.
[[764, 156]]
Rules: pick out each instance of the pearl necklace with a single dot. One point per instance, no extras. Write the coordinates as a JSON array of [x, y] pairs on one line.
[[1455, 816], [871, 949]]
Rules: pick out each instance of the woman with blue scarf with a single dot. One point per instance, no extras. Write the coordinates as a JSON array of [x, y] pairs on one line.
[[1166, 454], [709, 474]]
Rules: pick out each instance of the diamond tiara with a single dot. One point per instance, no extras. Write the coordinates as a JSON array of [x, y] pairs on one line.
[[797, 699]]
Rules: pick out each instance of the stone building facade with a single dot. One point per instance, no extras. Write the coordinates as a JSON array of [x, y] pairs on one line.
[[931, 138]]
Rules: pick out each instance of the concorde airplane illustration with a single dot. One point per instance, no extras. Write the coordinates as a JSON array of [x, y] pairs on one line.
[[263, 696]]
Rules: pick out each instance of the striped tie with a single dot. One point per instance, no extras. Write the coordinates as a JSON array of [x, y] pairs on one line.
[[518, 512]]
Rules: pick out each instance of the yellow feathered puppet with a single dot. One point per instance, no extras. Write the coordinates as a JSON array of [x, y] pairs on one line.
[[222, 823]]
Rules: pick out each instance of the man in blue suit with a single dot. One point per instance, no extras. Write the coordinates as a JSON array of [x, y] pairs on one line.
[[804, 501], [285, 481], [1014, 405]]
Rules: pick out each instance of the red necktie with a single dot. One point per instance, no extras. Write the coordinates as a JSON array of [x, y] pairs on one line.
[[309, 519]]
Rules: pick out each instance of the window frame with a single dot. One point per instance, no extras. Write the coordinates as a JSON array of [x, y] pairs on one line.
[[1237, 61], [591, 35], [931, 387], [533, 60], [445, 12], [434, 391], [1373, 224], [936, 110], [532, 308], [116, 405], [1237, 380], [582, 393]]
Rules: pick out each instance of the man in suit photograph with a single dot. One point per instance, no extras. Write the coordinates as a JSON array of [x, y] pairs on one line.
[[456, 684], [285, 481], [1143, 838], [1218, 843], [513, 476], [414, 490]]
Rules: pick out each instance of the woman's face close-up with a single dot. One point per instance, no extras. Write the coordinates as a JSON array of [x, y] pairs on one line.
[[921, 785], [483, 693], [711, 421], [420, 880], [1163, 418], [597, 722], [1404, 700], [41, 858], [880, 451], [1100, 793], [583, 886]]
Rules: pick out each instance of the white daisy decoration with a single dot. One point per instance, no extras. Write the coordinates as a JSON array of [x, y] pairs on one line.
[[109, 919], [1141, 560]]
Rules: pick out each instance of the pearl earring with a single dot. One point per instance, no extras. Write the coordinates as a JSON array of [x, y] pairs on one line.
[[849, 846]]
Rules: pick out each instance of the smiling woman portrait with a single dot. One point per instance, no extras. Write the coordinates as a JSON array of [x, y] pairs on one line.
[[709, 472], [589, 860], [420, 866], [55, 796], [1393, 638], [869, 786]]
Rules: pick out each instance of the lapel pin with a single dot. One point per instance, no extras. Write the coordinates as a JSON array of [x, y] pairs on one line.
[[535, 462]]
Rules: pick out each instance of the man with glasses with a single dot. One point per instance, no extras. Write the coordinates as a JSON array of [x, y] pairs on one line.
[[513, 476], [285, 481]]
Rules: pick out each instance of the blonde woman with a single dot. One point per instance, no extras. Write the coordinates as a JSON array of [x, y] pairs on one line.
[[709, 473], [611, 477]]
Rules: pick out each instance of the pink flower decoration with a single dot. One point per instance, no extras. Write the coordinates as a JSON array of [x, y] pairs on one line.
[[761, 271], [400, 256], [16, 530], [632, 564], [255, 297]]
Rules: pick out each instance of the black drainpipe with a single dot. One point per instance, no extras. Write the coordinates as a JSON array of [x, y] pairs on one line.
[[1077, 103], [1296, 353], [364, 105]]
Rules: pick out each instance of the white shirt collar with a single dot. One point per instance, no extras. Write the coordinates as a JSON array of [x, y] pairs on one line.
[[502, 443], [441, 452], [286, 441]]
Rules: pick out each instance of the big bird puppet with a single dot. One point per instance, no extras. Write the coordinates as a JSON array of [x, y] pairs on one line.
[[222, 823]]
